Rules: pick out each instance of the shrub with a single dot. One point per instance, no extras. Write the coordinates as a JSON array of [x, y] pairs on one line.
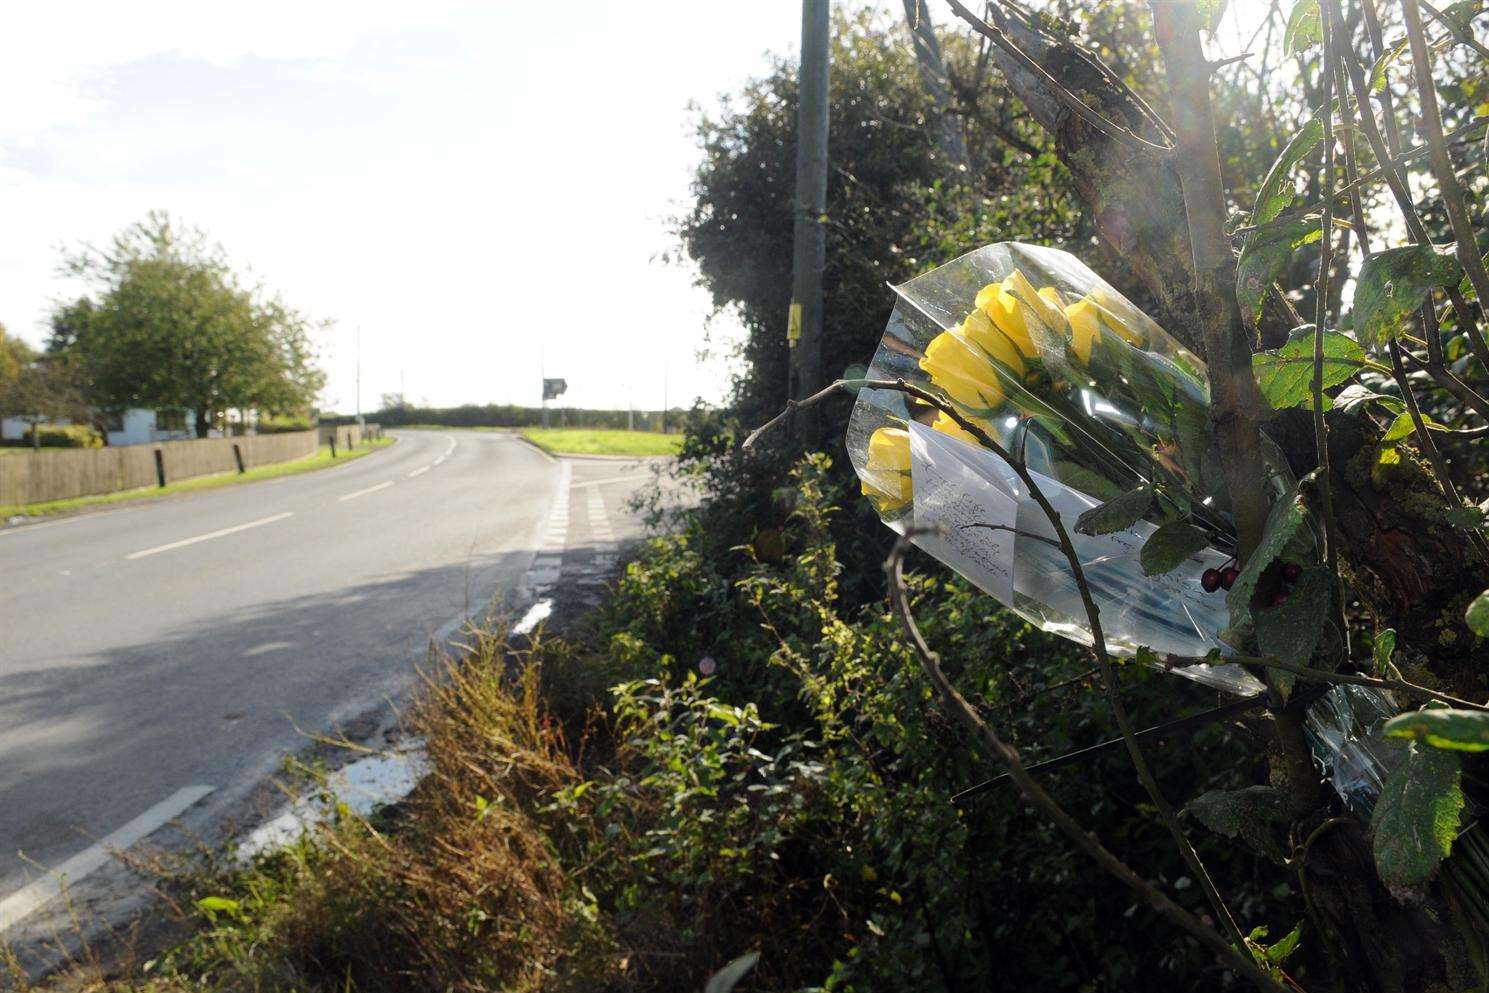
[[61, 436]]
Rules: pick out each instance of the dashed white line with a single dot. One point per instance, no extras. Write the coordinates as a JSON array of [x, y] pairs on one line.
[[608, 479], [371, 489], [210, 535], [35, 895], [438, 461], [420, 471]]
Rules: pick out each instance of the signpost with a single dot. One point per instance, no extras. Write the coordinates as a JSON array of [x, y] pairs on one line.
[[552, 390]]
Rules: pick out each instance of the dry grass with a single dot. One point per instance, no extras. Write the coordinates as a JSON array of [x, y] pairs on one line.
[[462, 887]]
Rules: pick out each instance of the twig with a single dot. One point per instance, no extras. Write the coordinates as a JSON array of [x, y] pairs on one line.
[[1321, 312], [1352, 678], [1166, 812], [1463, 37], [1373, 176], [1006, 756], [1442, 165], [1074, 103]]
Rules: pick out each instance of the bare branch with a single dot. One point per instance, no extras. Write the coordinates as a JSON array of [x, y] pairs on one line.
[[1073, 103]]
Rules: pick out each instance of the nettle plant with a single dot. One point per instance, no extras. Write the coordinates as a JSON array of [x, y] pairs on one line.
[[1369, 571]]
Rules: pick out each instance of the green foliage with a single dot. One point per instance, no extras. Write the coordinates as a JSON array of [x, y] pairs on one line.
[[1416, 818], [1440, 727], [1168, 547], [1276, 193], [171, 327], [1291, 631], [1266, 253], [1252, 813], [1393, 283], [1477, 615], [62, 436], [1116, 514], [1305, 27], [1283, 521], [1286, 374]]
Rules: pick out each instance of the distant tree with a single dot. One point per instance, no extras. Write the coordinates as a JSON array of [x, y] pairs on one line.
[[394, 401], [43, 389], [171, 326]]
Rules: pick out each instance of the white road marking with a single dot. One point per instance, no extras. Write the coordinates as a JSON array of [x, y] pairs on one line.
[[608, 479], [535, 615], [209, 535], [438, 461], [420, 471], [20, 904], [371, 489], [448, 450]]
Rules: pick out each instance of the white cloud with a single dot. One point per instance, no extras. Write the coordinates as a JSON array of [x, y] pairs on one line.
[[480, 187]]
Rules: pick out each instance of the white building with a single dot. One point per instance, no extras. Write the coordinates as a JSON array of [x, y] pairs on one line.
[[134, 426]]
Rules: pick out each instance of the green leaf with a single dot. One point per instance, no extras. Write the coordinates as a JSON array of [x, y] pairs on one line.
[[1305, 27], [1404, 427], [1283, 521], [1266, 253], [1455, 730], [728, 977], [1247, 813], [1416, 818], [212, 905], [1461, 15], [1168, 547], [1286, 374], [1477, 615], [1354, 394], [1392, 284], [1276, 192], [1382, 650], [1209, 12], [1291, 631], [1378, 71], [1279, 952], [1116, 515]]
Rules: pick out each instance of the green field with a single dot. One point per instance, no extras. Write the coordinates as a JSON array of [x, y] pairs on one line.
[[597, 441], [320, 460]]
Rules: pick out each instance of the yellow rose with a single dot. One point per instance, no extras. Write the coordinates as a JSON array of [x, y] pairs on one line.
[[886, 481], [979, 330], [947, 426], [1127, 324], [1045, 304], [1085, 328], [962, 371], [1003, 309]]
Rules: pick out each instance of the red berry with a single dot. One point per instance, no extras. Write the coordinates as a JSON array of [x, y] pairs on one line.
[[1280, 598], [1210, 580], [1229, 576], [1291, 571]]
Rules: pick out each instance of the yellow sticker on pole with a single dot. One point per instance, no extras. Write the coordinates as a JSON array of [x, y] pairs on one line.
[[793, 324]]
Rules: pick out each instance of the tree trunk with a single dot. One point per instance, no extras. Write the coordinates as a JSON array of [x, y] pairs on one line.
[[203, 423]]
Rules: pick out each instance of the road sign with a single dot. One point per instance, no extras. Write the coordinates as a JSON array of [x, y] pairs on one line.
[[554, 388]]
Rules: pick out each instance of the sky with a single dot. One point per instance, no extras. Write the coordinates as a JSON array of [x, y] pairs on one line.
[[482, 188]]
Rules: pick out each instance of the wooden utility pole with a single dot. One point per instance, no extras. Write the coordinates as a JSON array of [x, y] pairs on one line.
[[804, 327]]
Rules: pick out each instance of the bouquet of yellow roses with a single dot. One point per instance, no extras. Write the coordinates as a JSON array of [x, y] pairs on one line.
[[1099, 403]]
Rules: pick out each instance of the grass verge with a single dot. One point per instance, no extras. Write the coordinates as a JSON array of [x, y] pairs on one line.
[[594, 441], [320, 460]]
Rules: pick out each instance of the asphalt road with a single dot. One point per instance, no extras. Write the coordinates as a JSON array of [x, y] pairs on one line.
[[192, 642]]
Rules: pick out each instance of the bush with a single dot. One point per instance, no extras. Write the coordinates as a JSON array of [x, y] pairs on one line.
[[283, 425], [60, 436], [613, 817]]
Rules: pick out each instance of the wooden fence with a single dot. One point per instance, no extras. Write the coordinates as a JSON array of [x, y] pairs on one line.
[[64, 473]]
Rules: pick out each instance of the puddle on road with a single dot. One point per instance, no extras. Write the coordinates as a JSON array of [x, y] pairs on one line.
[[363, 786]]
